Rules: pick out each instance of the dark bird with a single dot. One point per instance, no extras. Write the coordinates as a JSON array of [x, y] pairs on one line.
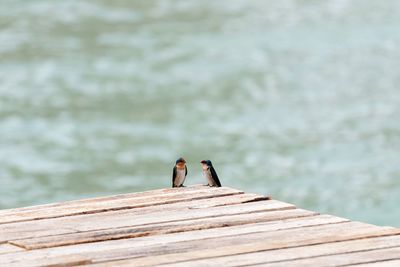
[[210, 174], [179, 173]]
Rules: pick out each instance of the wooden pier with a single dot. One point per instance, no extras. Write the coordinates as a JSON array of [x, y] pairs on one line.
[[192, 226]]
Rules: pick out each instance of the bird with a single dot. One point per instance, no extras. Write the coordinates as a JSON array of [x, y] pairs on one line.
[[210, 174], [179, 173]]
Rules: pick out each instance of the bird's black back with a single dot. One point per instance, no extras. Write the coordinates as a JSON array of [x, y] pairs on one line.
[[215, 176], [173, 176]]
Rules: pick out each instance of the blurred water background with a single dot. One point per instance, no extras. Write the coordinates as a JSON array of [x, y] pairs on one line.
[[298, 99]]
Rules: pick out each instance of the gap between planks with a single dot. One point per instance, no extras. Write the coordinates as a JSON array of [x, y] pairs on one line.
[[344, 259], [277, 240], [83, 208], [99, 199], [101, 222], [386, 263], [213, 238], [259, 253], [185, 225], [9, 248], [205, 239], [145, 216]]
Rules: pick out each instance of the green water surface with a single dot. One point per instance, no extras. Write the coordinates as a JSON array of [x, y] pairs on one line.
[[298, 99]]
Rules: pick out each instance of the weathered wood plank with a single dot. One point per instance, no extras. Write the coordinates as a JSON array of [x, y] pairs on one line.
[[162, 228], [22, 227], [101, 199], [192, 226], [61, 261], [8, 248], [116, 204], [269, 240], [108, 220], [389, 263], [343, 259], [263, 233], [235, 255]]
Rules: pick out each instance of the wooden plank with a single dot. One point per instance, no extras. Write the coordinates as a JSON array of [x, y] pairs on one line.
[[8, 248], [108, 220], [389, 263], [162, 228], [268, 240], [116, 204], [195, 226], [102, 199], [343, 259], [263, 233], [236, 255], [178, 194], [61, 261], [28, 231]]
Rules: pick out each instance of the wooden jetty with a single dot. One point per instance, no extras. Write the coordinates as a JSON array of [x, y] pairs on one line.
[[191, 226]]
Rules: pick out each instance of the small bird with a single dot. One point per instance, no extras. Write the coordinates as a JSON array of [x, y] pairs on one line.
[[179, 173], [210, 174]]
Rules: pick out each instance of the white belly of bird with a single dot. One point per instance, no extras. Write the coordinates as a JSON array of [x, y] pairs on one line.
[[180, 177], [210, 180]]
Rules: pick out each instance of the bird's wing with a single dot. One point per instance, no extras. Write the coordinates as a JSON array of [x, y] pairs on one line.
[[185, 170], [173, 176], [215, 176]]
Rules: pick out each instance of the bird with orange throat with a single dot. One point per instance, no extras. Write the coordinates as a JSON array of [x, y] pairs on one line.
[[179, 173]]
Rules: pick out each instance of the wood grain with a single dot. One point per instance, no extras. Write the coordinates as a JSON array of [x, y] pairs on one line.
[[101, 199], [262, 247], [343, 259], [8, 248], [159, 228], [114, 204], [234, 256], [192, 226], [263, 233], [386, 263], [106, 220], [61, 261]]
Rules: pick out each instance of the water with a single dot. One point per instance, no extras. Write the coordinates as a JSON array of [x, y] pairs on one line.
[[296, 99]]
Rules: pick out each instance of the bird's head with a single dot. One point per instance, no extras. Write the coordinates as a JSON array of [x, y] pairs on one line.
[[206, 163], [180, 163]]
